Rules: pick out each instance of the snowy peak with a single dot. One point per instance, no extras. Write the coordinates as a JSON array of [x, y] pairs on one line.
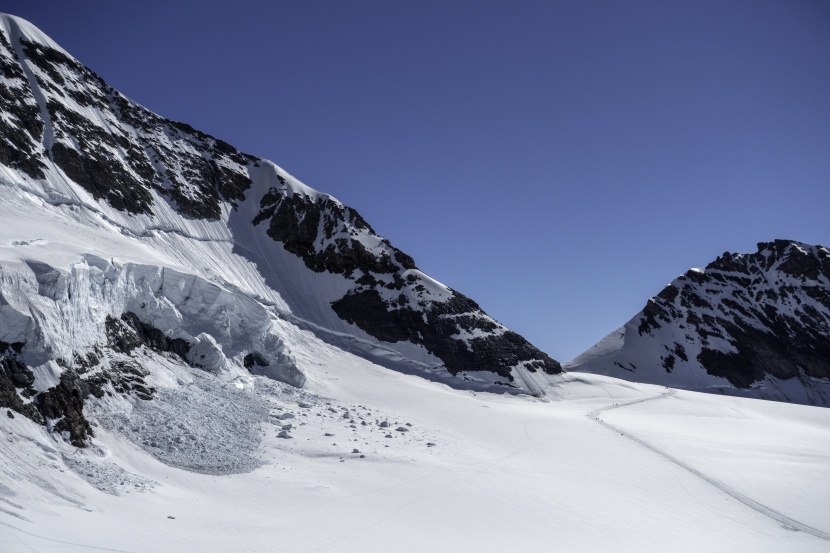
[[132, 203], [753, 324], [13, 26], [111, 147]]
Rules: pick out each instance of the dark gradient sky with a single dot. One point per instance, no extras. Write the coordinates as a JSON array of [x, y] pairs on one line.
[[557, 162]]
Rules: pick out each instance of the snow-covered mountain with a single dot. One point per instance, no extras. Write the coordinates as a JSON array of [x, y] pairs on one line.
[[123, 228], [754, 325], [195, 354]]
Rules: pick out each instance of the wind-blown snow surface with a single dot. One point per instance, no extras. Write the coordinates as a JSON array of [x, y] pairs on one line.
[[506, 473]]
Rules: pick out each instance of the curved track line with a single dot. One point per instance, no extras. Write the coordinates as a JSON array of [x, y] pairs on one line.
[[61, 542], [783, 520]]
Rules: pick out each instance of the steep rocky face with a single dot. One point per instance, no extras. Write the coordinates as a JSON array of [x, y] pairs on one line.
[[124, 151], [64, 126], [748, 320], [390, 299], [477, 343]]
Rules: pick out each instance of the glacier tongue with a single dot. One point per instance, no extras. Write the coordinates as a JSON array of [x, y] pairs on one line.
[[65, 312]]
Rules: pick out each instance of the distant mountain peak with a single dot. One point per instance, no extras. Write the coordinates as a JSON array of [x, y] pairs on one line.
[[753, 324]]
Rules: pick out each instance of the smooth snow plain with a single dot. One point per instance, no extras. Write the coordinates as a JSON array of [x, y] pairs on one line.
[[506, 473]]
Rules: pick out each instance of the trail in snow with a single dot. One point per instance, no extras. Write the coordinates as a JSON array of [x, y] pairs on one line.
[[59, 543], [782, 519]]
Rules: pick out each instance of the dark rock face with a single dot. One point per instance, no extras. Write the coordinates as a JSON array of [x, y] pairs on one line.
[[16, 381], [772, 307], [130, 332], [322, 232], [121, 161], [295, 221], [434, 327], [65, 402], [62, 405], [21, 131]]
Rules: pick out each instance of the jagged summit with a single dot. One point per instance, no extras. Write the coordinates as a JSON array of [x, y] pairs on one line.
[[749, 324]]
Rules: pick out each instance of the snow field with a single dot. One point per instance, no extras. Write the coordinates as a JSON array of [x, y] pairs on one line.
[[506, 473], [737, 441]]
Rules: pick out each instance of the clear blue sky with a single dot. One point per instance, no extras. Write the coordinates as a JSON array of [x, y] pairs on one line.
[[558, 162]]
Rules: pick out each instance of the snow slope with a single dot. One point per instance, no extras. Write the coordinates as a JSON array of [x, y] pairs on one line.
[[506, 473], [753, 325]]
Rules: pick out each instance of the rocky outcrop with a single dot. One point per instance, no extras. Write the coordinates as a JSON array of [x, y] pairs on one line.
[[129, 333], [489, 347], [16, 381], [97, 372], [21, 129]]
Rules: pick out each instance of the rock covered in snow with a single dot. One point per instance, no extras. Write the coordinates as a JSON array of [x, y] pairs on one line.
[[756, 325]]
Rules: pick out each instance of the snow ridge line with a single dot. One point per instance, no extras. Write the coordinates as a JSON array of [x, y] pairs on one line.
[[783, 520]]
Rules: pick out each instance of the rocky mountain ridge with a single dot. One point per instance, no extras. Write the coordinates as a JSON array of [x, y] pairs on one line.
[[748, 324]]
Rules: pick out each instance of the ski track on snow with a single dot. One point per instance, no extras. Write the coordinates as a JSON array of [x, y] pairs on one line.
[[783, 520], [62, 544]]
